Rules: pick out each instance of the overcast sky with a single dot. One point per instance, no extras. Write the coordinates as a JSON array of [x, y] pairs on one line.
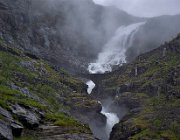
[[147, 8]]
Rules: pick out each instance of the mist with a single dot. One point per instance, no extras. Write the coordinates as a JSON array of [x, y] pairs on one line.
[[78, 33], [145, 8]]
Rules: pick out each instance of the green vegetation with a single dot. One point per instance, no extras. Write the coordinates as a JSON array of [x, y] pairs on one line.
[[13, 96], [26, 138], [62, 120], [154, 92], [40, 80]]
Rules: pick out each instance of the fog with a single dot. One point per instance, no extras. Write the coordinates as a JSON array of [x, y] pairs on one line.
[[104, 36], [145, 8]]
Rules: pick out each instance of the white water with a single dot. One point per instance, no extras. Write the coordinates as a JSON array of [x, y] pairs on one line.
[[91, 85], [114, 52], [112, 119]]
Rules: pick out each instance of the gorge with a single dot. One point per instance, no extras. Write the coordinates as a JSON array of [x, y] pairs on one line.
[[76, 70]]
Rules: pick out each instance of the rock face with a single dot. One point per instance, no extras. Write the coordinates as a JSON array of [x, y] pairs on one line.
[[149, 89]]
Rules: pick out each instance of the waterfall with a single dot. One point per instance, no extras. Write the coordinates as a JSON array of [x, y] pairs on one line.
[[114, 51], [91, 85], [112, 119]]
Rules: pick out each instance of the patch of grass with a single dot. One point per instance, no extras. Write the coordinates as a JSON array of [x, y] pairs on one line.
[[141, 95], [62, 120], [146, 134], [140, 122], [26, 138], [169, 135], [8, 95]]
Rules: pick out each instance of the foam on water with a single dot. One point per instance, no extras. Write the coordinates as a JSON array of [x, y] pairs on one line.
[[111, 120], [91, 85]]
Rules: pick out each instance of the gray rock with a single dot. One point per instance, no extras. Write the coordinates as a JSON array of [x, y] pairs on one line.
[[28, 64], [15, 127], [25, 91], [5, 113], [5, 131], [27, 117]]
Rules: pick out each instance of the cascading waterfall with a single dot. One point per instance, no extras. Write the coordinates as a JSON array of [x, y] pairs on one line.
[[114, 52], [112, 119], [91, 85]]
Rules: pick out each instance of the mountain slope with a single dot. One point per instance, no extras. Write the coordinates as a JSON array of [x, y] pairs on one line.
[[148, 89], [38, 101], [60, 31]]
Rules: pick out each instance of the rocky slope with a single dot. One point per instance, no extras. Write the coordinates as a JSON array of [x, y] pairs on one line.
[[38, 101], [148, 90], [70, 34], [60, 31]]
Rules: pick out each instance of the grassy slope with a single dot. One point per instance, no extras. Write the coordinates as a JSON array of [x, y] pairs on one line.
[[159, 114], [42, 81]]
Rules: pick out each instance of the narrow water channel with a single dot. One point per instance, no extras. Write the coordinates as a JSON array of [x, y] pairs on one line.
[[111, 118]]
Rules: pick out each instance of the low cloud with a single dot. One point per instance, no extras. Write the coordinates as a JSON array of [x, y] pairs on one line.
[[145, 8]]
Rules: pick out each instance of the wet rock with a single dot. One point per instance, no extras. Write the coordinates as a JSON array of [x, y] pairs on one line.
[[5, 131], [123, 131], [29, 118]]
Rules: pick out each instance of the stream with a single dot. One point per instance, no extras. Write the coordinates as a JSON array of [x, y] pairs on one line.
[[113, 54], [111, 118]]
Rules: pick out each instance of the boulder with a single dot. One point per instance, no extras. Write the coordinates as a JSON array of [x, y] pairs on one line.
[[27, 117]]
